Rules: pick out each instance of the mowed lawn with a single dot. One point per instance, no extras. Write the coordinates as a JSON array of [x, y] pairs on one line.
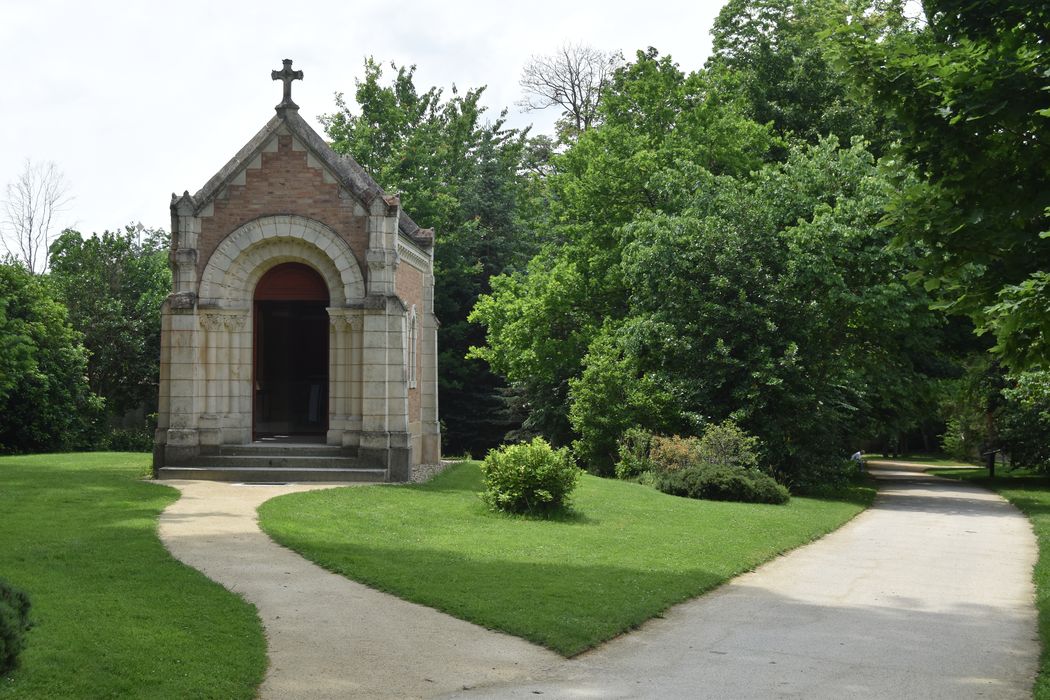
[[627, 553], [1031, 494], [114, 614]]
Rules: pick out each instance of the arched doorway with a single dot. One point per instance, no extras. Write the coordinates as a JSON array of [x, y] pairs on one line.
[[290, 354]]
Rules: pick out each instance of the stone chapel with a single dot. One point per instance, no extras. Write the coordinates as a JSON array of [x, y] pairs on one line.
[[299, 341]]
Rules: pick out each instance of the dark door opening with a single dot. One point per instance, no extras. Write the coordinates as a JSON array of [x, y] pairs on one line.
[[291, 354]]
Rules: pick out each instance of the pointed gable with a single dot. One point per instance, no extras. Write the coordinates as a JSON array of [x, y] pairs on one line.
[[288, 169]]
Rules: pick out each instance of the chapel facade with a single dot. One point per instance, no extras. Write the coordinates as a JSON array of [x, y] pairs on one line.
[[300, 331]]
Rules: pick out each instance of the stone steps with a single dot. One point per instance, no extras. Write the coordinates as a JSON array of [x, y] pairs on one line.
[[264, 462], [282, 449], [271, 475]]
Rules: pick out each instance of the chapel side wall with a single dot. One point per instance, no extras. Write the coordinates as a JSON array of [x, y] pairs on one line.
[[283, 179], [409, 286], [415, 284]]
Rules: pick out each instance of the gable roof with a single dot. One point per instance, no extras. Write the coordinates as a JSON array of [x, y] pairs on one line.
[[347, 171]]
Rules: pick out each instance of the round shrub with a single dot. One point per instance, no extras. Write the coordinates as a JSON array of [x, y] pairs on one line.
[[14, 621], [719, 483], [529, 478]]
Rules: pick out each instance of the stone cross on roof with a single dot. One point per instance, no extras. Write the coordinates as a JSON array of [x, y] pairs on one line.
[[287, 75]]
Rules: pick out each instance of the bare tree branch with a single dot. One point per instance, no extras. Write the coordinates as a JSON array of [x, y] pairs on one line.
[[574, 79], [33, 200]]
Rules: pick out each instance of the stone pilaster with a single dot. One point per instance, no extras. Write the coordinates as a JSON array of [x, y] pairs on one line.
[[343, 425], [382, 256], [185, 230], [183, 358], [384, 419], [237, 413], [428, 380]]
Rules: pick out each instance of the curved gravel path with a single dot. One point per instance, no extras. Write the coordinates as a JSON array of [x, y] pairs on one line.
[[926, 594], [327, 636]]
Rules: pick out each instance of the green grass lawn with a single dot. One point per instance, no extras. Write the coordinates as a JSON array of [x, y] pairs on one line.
[[932, 460], [1031, 494], [627, 553], [114, 614]]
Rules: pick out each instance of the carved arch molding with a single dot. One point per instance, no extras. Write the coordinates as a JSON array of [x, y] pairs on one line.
[[248, 253]]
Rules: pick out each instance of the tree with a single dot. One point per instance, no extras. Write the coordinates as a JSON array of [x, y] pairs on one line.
[[773, 53], [573, 78], [45, 401], [663, 136], [33, 200], [113, 285], [465, 178], [772, 300], [967, 83]]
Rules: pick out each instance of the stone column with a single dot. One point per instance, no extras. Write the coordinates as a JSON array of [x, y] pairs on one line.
[[236, 425], [181, 438], [339, 361], [212, 380]]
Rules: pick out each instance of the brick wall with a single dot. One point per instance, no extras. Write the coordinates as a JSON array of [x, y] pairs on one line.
[[285, 184]]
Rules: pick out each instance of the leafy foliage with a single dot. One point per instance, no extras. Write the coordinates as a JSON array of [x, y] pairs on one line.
[[692, 284], [663, 135], [461, 176], [773, 53], [529, 478], [635, 444], [45, 400], [1025, 421], [966, 81], [714, 482], [113, 285], [726, 445], [673, 453], [14, 621]]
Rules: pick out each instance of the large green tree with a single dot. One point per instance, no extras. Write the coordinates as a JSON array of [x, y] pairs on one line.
[[692, 278], [774, 54], [463, 176], [967, 82], [45, 401], [663, 136], [772, 300], [113, 285]]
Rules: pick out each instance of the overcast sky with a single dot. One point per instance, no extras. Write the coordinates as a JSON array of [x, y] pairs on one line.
[[136, 100]]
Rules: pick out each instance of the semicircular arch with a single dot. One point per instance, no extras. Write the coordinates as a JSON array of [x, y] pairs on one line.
[[238, 262]]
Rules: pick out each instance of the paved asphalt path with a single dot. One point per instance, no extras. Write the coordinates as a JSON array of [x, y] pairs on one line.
[[927, 594]]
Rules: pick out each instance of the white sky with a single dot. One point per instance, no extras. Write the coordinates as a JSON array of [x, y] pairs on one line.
[[135, 100]]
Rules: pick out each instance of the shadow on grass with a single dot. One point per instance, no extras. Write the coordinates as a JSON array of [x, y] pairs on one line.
[[78, 532], [565, 606]]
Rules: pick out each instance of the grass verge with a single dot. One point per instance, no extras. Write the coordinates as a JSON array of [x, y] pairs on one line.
[[1031, 494], [114, 614], [934, 460], [625, 554]]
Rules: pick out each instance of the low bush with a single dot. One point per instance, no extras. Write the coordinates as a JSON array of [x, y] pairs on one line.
[[720, 483], [127, 440], [634, 454], [669, 454], [529, 478], [726, 445], [14, 621]]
